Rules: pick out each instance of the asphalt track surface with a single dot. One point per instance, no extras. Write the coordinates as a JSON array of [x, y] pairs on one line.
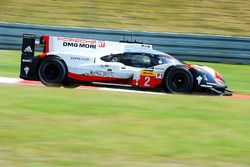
[[17, 81]]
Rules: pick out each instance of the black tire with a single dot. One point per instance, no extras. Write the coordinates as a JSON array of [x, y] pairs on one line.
[[178, 79], [52, 72]]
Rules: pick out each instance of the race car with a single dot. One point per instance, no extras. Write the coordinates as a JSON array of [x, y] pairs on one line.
[[72, 60]]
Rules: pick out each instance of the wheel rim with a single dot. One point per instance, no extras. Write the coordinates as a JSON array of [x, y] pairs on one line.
[[51, 71], [179, 82]]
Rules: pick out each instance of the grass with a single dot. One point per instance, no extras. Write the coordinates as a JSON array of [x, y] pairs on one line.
[[236, 76], [68, 127], [10, 63], [203, 17]]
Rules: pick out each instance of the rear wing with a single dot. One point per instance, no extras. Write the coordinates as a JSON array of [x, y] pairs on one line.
[[28, 62]]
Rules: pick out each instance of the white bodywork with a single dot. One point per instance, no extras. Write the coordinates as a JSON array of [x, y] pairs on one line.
[[83, 56]]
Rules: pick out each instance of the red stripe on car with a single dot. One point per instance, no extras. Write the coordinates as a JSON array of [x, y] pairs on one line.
[[91, 78]]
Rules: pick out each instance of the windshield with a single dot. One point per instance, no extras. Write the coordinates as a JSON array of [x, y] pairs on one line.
[[161, 59]]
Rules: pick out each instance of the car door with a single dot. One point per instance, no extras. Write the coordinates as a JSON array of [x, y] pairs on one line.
[[112, 68]]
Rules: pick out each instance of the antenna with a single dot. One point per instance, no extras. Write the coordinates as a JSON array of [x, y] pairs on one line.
[[131, 39]]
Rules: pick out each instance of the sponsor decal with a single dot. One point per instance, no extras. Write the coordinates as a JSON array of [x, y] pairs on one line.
[[148, 73], [159, 75], [115, 59], [159, 69], [80, 58], [209, 83], [206, 86], [80, 45], [101, 44], [146, 46], [103, 73], [26, 70], [27, 60], [76, 40], [199, 79], [28, 49], [104, 66]]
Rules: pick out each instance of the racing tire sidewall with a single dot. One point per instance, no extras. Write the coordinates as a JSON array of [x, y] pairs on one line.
[[52, 72], [179, 80]]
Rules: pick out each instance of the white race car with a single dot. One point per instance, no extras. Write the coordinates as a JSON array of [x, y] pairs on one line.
[[72, 60]]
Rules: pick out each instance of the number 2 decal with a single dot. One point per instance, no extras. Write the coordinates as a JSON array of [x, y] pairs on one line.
[[147, 80]]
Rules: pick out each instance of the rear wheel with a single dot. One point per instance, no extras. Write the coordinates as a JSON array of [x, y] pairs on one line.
[[52, 72], [179, 80]]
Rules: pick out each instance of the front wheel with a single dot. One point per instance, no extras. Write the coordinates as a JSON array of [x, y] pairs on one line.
[[52, 72], [178, 80]]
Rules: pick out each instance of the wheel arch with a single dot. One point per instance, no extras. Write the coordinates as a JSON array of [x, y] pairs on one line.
[[57, 58], [48, 57], [168, 70], [164, 77]]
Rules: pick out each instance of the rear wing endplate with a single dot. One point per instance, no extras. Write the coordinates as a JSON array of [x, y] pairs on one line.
[[28, 50]]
